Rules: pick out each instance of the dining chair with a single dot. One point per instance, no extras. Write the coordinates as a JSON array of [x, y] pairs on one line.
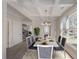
[[63, 41], [61, 46], [28, 50], [59, 40], [45, 51], [30, 42]]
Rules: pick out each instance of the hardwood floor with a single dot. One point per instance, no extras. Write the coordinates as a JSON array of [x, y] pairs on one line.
[[16, 52]]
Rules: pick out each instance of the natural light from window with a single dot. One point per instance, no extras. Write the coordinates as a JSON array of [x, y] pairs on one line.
[[69, 28]]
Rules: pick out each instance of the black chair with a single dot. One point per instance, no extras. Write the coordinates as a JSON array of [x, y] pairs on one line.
[[63, 41], [59, 39], [61, 45]]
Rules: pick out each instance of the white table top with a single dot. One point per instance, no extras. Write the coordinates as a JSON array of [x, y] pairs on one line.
[[48, 43]]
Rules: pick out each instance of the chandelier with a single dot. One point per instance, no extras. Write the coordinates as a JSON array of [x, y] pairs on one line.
[[46, 23]]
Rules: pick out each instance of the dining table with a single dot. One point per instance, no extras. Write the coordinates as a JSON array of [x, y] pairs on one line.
[[46, 42]]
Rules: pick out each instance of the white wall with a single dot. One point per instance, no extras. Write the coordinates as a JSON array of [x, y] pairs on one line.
[[15, 27], [15, 32], [15, 20]]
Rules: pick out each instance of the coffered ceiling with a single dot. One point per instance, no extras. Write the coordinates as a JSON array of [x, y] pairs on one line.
[[41, 9]]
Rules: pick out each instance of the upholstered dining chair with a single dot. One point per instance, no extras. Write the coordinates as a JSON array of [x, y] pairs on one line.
[[45, 51], [29, 41], [28, 50], [61, 46], [59, 40]]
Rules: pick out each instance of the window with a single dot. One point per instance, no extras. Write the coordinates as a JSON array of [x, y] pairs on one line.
[[46, 29], [63, 26], [69, 28]]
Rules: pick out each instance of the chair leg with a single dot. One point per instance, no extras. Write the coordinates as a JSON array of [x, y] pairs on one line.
[[64, 54], [53, 53]]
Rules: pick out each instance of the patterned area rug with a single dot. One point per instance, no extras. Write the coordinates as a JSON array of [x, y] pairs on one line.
[[57, 55]]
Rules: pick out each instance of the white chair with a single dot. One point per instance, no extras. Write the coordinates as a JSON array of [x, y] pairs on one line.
[[45, 51], [28, 51], [29, 41]]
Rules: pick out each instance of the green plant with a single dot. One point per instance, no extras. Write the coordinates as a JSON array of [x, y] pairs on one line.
[[37, 31]]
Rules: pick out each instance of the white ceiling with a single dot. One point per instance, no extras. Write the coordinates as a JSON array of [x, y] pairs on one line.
[[40, 9]]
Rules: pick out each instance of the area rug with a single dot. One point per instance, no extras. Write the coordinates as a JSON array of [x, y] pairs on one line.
[[57, 55]]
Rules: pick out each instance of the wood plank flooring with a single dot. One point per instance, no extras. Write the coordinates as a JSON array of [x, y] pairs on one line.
[[16, 52]]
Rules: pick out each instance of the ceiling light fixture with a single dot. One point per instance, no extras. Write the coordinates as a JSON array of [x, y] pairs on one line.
[[46, 22]]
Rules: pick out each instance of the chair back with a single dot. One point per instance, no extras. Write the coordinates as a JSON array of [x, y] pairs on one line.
[[63, 41], [45, 51], [27, 42], [59, 39]]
